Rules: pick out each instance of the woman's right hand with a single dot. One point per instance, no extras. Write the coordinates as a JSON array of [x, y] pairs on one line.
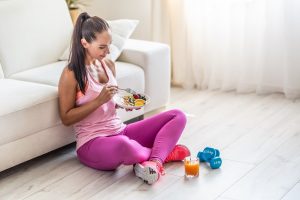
[[107, 93]]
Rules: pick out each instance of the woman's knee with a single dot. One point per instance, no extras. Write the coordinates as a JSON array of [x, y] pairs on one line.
[[178, 115]]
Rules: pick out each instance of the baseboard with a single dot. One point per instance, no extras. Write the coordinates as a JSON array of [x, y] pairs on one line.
[[138, 118]]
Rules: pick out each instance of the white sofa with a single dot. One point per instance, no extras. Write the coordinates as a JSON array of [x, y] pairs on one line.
[[33, 35]]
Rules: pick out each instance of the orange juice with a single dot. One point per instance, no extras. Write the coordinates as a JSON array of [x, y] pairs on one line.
[[191, 166]]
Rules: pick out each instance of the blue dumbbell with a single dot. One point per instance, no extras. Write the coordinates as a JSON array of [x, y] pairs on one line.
[[211, 156], [215, 163], [207, 154]]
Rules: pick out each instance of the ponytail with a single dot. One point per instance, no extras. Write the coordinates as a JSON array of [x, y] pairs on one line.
[[85, 27]]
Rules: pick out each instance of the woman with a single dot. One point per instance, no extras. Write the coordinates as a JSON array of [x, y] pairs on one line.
[[86, 88]]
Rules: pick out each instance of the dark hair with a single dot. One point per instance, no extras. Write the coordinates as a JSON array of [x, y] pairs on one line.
[[86, 27]]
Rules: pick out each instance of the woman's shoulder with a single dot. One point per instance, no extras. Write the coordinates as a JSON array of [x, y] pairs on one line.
[[68, 77]]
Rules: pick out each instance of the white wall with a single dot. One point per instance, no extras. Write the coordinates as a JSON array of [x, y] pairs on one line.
[[129, 9]]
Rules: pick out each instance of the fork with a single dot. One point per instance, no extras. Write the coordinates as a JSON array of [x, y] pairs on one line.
[[131, 91]]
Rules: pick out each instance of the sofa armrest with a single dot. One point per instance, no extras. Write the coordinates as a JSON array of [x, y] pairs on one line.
[[154, 58]]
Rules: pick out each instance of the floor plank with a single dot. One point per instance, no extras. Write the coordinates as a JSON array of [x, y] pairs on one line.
[[87, 181], [273, 177], [28, 178], [293, 194]]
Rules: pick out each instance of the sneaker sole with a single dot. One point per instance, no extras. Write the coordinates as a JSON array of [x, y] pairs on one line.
[[147, 174]]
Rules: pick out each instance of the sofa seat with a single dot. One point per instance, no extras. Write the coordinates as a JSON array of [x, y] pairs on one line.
[[29, 120], [29, 107]]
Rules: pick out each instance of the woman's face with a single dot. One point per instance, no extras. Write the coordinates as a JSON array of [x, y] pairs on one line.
[[99, 47]]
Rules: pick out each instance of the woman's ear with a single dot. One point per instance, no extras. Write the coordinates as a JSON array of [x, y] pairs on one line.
[[84, 43]]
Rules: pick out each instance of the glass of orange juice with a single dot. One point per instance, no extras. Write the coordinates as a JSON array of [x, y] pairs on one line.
[[191, 167]]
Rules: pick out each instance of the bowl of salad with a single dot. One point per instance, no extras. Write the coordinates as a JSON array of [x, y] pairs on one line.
[[131, 101]]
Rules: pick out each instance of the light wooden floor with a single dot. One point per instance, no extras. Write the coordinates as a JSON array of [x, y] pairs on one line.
[[259, 140]]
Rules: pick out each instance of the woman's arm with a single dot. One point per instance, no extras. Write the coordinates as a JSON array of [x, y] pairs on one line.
[[67, 90], [69, 113]]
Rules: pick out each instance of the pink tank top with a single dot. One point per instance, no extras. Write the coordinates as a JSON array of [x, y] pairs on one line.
[[104, 120]]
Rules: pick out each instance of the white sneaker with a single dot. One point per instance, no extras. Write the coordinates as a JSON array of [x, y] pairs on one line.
[[148, 171]]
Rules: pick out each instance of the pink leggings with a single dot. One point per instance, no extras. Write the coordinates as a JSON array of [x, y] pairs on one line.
[[151, 138]]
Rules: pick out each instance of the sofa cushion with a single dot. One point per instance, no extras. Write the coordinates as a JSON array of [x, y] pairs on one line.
[[34, 34], [26, 108], [48, 74], [121, 30]]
